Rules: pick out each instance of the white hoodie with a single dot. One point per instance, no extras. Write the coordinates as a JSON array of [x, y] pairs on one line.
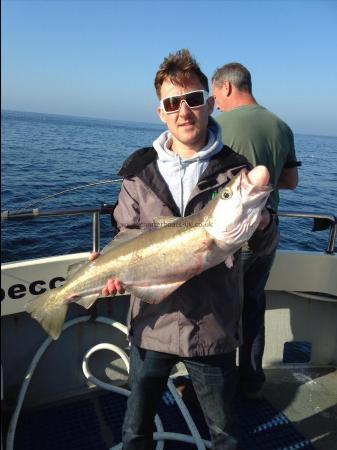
[[182, 175]]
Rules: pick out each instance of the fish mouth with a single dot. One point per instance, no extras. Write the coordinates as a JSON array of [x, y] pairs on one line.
[[250, 188]]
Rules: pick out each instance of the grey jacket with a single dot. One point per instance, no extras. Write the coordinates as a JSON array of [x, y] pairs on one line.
[[203, 316]]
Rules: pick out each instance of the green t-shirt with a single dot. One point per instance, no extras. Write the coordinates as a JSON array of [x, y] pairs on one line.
[[262, 138]]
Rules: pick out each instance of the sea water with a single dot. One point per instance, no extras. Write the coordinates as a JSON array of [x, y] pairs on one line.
[[43, 154]]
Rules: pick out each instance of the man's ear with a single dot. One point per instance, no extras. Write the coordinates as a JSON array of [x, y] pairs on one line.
[[227, 86], [161, 114]]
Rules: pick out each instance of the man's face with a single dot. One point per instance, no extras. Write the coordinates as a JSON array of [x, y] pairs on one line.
[[220, 97], [188, 126]]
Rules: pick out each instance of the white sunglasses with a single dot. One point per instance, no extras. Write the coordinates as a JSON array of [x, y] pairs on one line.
[[194, 99]]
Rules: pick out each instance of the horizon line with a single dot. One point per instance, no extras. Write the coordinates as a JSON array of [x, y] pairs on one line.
[[129, 121], [79, 116]]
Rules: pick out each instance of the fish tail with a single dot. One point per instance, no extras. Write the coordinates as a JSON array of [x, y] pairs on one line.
[[49, 312]]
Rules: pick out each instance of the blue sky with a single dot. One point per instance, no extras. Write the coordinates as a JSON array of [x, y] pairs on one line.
[[99, 58]]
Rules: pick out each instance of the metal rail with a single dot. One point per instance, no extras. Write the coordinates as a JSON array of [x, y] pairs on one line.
[[95, 213], [321, 221]]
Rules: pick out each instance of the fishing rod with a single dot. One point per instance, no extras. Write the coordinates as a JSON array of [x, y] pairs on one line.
[[39, 200]]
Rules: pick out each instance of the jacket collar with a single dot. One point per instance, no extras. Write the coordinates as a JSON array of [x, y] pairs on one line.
[[223, 161]]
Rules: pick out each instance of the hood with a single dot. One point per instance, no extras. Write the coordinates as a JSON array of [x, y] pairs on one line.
[[182, 175], [213, 146]]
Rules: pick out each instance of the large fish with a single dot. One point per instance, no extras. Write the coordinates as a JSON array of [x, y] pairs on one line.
[[153, 264]]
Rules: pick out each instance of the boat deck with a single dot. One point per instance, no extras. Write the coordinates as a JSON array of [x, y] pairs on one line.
[[298, 411], [308, 398]]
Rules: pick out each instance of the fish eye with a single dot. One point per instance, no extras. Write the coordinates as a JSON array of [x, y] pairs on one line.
[[226, 193]]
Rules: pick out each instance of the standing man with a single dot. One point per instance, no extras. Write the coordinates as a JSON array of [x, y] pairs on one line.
[[251, 130], [199, 323]]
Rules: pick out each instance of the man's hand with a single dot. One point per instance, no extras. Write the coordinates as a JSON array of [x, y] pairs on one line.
[[113, 285], [265, 219]]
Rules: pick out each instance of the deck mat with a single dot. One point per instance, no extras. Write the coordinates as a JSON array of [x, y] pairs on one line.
[[95, 424]]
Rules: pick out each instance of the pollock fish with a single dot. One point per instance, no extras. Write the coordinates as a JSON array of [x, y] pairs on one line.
[[154, 263]]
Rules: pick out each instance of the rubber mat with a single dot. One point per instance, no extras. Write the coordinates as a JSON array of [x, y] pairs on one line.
[[95, 424], [72, 426]]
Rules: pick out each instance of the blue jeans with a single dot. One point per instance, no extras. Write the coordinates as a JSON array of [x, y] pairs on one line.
[[256, 271], [213, 378]]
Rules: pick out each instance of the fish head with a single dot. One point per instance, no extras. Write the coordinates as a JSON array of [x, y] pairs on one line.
[[237, 208]]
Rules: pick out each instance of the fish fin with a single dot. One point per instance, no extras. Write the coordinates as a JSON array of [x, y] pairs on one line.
[[88, 300], [122, 237], [74, 268], [155, 293], [49, 313], [229, 261], [162, 221]]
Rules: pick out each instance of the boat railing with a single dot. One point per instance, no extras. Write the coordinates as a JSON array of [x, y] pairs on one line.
[[321, 221], [95, 212]]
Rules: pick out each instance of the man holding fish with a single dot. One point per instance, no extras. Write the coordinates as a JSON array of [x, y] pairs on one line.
[[186, 206], [200, 322]]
